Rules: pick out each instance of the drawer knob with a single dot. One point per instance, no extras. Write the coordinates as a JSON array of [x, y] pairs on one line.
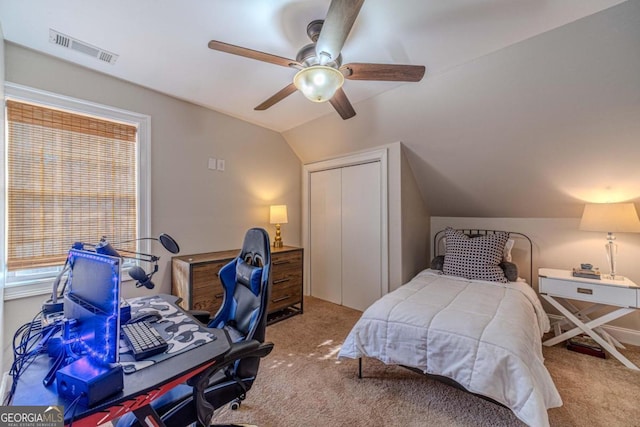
[[585, 291], [275, 282], [281, 298], [280, 262]]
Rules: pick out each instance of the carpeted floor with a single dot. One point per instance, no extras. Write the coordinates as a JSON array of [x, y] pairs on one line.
[[301, 383]]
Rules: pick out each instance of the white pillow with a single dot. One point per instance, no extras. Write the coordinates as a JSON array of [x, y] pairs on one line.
[[506, 256]]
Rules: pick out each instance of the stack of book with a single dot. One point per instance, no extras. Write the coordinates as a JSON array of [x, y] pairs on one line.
[[586, 345], [587, 274]]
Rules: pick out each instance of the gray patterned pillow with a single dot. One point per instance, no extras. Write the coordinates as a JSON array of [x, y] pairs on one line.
[[474, 258]]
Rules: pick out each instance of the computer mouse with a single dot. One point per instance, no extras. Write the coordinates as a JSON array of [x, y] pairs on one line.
[[146, 316]]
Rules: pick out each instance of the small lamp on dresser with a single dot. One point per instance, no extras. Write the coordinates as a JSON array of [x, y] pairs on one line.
[[611, 218], [277, 216]]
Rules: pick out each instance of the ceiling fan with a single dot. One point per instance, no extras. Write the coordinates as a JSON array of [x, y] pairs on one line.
[[321, 73]]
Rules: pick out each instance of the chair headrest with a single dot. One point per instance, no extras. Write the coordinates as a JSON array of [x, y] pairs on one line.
[[256, 248], [249, 276]]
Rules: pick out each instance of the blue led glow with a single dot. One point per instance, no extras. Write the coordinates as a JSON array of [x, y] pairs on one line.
[[95, 299]]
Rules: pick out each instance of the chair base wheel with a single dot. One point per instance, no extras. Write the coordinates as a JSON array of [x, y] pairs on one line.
[[235, 405]]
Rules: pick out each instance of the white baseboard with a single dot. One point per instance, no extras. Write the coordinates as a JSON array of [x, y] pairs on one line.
[[624, 335]]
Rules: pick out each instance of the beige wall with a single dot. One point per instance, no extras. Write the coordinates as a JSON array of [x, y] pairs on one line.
[[408, 219], [557, 243], [415, 223], [203, 210]]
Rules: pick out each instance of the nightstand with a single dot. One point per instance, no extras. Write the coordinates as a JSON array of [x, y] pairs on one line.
[[559, 286]]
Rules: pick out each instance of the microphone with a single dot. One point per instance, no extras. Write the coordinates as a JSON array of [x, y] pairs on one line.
[[139, 275], [104, 247]]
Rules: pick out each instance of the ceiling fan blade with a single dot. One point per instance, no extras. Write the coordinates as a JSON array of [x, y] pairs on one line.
[[337, 26], [252, 54], [279, 96], [342, 105], [383, 72]]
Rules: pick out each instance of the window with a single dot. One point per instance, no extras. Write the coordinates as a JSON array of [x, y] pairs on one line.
[[75, 171]]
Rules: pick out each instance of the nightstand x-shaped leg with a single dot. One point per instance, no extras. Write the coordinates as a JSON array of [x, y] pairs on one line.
[[584, 316], [588, 328]]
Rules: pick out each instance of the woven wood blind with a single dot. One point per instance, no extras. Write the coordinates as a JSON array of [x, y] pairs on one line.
[[70, 178]]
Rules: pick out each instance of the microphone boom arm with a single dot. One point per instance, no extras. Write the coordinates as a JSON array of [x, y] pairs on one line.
[[139, 255], [143, 279]]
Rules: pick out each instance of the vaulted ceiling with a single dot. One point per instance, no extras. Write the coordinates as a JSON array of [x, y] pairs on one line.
[[528, 108], [162, 44]]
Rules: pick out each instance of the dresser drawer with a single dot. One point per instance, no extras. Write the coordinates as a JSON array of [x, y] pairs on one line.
[[284, 296], [592, 292], [204, 275], [286, 260], [287, 277], [211, 300], [207, 288]]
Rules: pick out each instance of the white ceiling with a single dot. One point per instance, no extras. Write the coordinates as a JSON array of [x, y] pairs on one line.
[[162, 44]]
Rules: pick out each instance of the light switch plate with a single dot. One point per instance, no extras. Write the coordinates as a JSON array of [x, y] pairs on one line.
[[220, 164], [212, 164]]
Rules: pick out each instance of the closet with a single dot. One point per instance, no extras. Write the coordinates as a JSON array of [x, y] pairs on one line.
[[346, 234]]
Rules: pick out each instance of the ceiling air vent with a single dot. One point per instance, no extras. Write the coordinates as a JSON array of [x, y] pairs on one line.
[[63, 40]]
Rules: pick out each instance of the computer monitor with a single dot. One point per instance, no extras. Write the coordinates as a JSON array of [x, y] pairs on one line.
[[93, 302]]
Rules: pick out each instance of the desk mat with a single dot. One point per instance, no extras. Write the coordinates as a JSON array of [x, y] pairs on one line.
[[181, 332]]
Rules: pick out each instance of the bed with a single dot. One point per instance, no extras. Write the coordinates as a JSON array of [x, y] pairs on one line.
[[467, 323]]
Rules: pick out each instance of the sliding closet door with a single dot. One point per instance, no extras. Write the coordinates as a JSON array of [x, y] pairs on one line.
[[325, 235], [345, 235], [361, 235]]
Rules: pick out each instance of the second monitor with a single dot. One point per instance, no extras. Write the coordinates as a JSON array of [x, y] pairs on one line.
[[93, 301]]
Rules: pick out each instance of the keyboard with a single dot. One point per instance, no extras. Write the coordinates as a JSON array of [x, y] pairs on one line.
[[143, 339]]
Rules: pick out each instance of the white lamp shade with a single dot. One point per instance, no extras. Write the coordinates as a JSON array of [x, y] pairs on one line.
[[278, 214], [318, 83], [610, 217]]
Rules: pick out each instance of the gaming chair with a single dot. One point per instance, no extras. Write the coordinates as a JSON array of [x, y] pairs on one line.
[[243, 315]]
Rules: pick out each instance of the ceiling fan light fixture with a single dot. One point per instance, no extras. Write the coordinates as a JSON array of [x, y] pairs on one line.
[[318, 83]]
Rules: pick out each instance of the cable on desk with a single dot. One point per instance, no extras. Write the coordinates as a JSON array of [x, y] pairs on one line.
[[74, 406], [28, 341]]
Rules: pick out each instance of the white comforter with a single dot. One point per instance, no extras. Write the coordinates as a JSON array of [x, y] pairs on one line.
[[484, 335]]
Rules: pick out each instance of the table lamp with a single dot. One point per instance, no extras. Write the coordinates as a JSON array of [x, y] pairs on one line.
[[610, 217], [277, 216]]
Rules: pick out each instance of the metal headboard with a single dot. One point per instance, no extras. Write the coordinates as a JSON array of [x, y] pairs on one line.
[[439, 236]]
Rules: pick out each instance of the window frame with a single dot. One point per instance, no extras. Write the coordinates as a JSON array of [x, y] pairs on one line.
[[27, 94]]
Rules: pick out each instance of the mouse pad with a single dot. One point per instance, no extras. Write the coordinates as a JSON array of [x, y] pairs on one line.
[[180, 331]]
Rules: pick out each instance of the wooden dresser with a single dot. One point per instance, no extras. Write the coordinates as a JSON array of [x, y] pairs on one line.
[[194, 278]]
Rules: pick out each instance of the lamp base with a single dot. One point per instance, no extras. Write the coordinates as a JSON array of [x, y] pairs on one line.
[[277, 241], [612, 251]]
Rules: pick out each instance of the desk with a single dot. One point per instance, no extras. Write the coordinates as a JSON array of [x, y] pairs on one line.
[[140, 388], [558, 286]]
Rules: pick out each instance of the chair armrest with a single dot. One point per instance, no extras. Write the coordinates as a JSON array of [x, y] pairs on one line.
[[239, 350], [242, 349], [202, 316]]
